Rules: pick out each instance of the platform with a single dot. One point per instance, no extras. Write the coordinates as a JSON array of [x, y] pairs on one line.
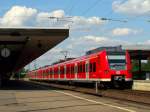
[[28, 97], [143, 85]]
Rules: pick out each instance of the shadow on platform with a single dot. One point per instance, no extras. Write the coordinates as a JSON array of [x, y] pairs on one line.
[[24, 85]]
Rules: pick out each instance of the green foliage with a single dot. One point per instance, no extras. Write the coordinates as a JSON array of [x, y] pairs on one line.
[[145, 67], [21, 73], [135, 66]]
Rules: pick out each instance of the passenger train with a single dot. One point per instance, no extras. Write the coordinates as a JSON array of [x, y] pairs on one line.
[[106, 66]]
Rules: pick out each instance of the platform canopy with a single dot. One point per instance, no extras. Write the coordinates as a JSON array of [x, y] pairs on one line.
[[139, 52], [20, 46]]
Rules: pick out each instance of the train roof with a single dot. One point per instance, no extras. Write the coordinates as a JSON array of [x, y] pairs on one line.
[[91, 53], [68, 61], [108, 49], [77, 59]]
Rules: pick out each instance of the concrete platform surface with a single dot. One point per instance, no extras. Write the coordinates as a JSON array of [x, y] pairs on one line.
[[27, 97], [143, 85]]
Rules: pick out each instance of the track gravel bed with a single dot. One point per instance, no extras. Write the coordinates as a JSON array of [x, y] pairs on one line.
[[128, 95]]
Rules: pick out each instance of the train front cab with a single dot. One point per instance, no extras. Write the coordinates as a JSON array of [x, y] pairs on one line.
[[117, 69]]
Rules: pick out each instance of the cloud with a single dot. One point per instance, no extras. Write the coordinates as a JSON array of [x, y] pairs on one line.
[[132, 7], [95, 39], [92, 41], [76, 47], [17, 16], [43, 19], [75, 21], [123, 31], [79, 20], [147, 42]]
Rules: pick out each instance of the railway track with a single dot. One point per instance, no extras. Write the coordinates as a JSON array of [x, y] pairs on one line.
[[128, 95]]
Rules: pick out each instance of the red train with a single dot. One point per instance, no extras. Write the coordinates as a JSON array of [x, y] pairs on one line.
[[108, 67]]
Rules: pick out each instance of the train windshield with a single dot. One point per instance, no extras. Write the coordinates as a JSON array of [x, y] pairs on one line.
[[117, 62]]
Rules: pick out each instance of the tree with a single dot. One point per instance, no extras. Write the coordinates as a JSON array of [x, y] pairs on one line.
[[21, 74]]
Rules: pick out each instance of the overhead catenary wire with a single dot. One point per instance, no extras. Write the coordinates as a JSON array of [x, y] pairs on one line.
[[72, 6], [92, 6]]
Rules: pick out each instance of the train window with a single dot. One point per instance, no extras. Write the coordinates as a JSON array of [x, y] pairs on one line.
[[76, 69], [65, 69], [43, 72], [58, 70], [46, 72], [87, 67], [83, 68], [68, 70], [54, 71], [62, 70], [72, 69], [51, 72], [94, 67], [91, 67]]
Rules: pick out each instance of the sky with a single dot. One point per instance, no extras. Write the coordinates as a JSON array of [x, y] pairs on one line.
[[128, 22]]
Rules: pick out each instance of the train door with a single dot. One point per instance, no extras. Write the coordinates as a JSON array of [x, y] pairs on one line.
[[72, 76], [41, 74], [93, 68], [68, 71], [44, 73], [38, 74], [61, 72], [75, 70], [55, 72], [50, 73], [81, 70], [47, 73], [87, 69], [58, 72], [65, 72]]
